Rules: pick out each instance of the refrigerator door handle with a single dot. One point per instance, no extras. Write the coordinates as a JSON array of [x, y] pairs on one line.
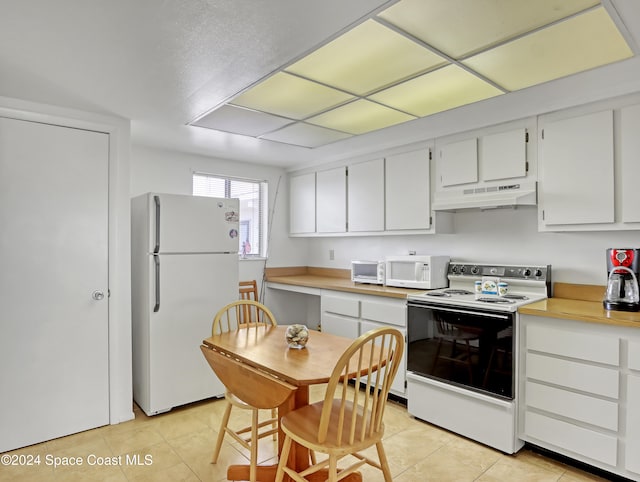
[[156, 200], [156, 262]]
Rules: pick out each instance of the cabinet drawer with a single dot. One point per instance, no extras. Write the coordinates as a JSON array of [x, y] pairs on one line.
[[582, 441], [341, 305], [584, 346], [385, 312], [594, 411], [336, 325], [634, 355], [579, 376]]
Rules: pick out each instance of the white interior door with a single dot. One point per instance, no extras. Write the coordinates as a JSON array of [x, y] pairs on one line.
[[53, 257]]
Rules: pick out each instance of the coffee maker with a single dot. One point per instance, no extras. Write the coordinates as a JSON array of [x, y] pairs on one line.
[[622, 283]]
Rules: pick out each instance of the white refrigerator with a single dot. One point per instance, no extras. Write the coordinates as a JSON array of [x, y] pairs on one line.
[[184, 264]]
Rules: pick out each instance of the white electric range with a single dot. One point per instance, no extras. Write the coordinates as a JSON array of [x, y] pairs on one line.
[[461, 357], [524, 284]]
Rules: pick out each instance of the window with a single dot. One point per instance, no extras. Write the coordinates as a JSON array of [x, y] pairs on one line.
[[253, 213]]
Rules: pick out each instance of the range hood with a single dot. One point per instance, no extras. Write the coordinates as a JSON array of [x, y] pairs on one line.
[[490, 197]]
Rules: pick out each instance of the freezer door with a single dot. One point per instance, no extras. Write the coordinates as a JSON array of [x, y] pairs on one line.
[[192, 224], [193, 287]]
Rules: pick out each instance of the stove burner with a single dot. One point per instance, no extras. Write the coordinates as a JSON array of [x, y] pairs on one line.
[[495, 300], [516, 297], [458, 292], [441, 294]]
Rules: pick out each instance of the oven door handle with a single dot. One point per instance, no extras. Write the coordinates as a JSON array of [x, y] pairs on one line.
[[456, 310]]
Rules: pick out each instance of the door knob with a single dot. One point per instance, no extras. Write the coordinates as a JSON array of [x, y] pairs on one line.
[[97, 295]]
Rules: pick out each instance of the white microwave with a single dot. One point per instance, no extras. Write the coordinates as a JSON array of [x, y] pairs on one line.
[[417, 271], [371, 272]]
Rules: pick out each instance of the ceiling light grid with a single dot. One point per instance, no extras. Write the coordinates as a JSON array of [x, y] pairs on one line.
[[417, 58]]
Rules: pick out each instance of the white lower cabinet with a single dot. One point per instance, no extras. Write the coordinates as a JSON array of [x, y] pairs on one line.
[[632, 432], [579, 393], [351, 315], [340, 315], [377, 313]]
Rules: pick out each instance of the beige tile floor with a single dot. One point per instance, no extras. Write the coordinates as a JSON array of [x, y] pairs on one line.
[[177, 446]]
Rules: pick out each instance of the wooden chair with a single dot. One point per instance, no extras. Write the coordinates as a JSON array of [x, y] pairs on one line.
[[453, 334], [230, 318], [248, 290], [348, 420], [501, 356]]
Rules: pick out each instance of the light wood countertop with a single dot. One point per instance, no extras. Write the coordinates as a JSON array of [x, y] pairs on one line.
[[570, 301], [584, 304], [332, 279]]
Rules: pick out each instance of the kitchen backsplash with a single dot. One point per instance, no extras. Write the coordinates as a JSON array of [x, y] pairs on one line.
[[498, 236]]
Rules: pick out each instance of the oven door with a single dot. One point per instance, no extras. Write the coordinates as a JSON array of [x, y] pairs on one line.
[[467, 347]]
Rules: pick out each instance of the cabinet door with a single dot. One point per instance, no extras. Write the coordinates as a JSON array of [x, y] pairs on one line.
[[630, 167], [331, 201], [577, 170], [633, 424], [302, 204], [407, 191], [504, 155], [632, 445], [458, 162], [366, 196], [398, 385]]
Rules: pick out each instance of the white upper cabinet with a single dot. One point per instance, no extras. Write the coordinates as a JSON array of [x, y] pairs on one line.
[[576, 169], [365, 196], [630, 163], [302, 203], [407, 193], [486, 168], [504, 155], [588, 167], [382, 196], [458, 162], [331, 201]]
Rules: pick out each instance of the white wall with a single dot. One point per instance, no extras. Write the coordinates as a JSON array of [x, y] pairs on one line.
[[499, 236], [158, 170], [494, 236]]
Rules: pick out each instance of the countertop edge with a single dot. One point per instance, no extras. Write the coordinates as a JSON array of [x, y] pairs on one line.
[[342, 284], [581, 310]]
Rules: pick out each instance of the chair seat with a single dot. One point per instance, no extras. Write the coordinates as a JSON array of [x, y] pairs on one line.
[[236, 402], [302, 425]]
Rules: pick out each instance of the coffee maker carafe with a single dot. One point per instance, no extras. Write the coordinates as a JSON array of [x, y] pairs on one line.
[[622, 283]]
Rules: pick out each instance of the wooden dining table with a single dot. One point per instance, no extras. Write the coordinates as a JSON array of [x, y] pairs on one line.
[[266, 349]]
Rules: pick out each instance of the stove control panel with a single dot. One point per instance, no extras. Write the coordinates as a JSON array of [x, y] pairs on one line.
[[537, 273]]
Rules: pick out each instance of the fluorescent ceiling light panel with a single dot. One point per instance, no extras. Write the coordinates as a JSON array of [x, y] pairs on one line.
[[418, 58], [239, 120], [306, 135], [443, 89], [461, 27], [583, 42], [359, 117], [367, 58], [290, 96]]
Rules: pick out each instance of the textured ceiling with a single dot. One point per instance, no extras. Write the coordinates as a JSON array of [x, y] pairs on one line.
[[161, 63]]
